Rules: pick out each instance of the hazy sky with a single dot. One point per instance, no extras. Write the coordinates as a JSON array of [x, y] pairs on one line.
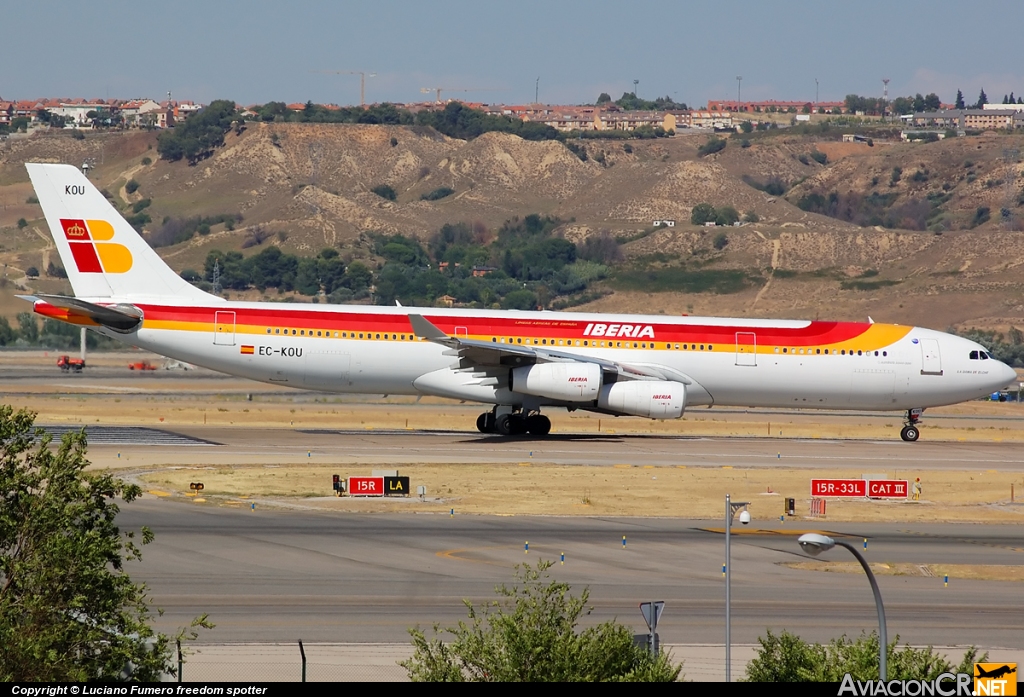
[[254, 52]]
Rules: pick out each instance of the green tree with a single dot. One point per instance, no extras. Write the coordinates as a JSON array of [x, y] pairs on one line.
[[703, 213], [7, 333], [746, 127], [959, 100], [531, 635], [788, 658], [22, 223], [68, 609], [982, 100], [932, 102], [199, 135]]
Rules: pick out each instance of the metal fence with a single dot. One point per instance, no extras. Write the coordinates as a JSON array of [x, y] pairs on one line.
[[295, 662]]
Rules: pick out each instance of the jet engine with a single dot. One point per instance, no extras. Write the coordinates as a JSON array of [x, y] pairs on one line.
[[565, 382], [654, 399]]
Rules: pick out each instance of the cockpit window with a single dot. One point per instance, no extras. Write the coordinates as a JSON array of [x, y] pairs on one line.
[[984, 356], [974, 355]]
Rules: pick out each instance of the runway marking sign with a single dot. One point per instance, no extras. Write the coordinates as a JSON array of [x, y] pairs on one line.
[[838, 487], [859, 488], [888, 488], [366, 486]]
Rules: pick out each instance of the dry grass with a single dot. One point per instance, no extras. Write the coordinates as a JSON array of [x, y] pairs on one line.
[[544, 489], [977, 572]]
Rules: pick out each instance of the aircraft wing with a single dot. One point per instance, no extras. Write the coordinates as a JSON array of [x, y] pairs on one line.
[[473, 353]]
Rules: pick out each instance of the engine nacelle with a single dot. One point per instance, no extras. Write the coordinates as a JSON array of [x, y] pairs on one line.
[[653, 399], [565, 382]]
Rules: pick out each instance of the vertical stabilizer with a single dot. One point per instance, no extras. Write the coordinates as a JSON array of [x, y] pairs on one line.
[[103, 255]]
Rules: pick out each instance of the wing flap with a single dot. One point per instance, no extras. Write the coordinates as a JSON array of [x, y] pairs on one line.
[[473, 353]]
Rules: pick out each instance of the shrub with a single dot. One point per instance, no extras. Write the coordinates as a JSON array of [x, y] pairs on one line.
[[751, 217], [31, 199], [385, 192], [897, 173], [147, 161], [438, 194], [132, 186], [32, 272], [981, 216], [711, 147], [22, 223], [394, 141], [77, 134], [803, 160], [819, 157], [721, 240]]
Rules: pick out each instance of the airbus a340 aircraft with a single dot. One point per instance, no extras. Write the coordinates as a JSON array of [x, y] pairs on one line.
[[518, 362]]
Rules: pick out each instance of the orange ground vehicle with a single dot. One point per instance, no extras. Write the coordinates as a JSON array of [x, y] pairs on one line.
[[141, 365], [67, 363]]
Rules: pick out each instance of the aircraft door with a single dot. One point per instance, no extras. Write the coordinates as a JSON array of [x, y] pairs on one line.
[[746, 348], [931, 360], [224, 328]]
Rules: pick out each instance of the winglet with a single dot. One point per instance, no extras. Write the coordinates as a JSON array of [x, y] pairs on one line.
[[424, 329]]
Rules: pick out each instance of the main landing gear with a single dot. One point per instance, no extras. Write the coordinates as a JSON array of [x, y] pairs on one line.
[[513, 424], [911, 430]]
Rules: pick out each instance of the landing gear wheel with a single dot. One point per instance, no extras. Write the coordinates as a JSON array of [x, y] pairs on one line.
[[504, 425], [538, 425], [485, 422], [910, 433], [518, 425]]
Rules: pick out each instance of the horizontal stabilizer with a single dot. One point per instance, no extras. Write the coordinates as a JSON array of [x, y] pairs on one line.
[[121, 318]]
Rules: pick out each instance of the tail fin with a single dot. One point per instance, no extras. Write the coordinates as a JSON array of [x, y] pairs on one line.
[[104, 256]]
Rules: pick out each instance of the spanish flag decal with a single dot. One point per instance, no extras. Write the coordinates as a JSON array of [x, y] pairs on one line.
[[247, 350]]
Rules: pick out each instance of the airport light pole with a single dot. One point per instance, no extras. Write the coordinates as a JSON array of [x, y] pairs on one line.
[[730, 512], [814, 545]]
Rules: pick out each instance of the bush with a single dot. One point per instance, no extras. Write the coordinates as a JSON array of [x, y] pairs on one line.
[[819, 157], [22, 223], [726, 215], [788, 658], [751, 217], [745, 144], [803, 160], [147, 161], [711, 147], [530, 634], [721, 240], [132, 186], [981, 216], [32, 272], [385, 192], [438, 194], [897, 173], [77, 134], [31, 199], [394, 141]]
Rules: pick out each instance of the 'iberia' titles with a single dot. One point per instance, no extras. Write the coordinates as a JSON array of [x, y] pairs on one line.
[[625, 331]]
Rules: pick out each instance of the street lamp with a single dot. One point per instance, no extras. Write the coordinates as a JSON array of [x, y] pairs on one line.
[[730, 511], [814, 545]]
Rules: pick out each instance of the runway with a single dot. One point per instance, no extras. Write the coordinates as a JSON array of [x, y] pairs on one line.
[[241, 445], [269, 575]]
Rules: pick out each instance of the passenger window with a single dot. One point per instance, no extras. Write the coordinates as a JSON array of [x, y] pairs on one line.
[[785, 350], [860, 353], [702, 347], [843, 352], [360, 335], [817, 351]]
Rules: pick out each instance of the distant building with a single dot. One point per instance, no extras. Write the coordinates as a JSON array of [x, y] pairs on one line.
[[975, 119]]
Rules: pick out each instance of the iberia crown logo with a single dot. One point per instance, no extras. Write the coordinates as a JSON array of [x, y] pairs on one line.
[[91, 248]]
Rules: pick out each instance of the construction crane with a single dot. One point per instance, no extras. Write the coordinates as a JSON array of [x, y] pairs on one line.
[[362, 80], [437, 90]]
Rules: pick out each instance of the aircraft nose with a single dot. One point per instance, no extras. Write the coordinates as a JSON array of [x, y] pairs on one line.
[[1008, 374]]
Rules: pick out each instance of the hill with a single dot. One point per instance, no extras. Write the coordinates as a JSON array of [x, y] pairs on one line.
[[838, 233]]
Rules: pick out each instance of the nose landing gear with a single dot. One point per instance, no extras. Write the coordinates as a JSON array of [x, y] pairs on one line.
[[911, 431]]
